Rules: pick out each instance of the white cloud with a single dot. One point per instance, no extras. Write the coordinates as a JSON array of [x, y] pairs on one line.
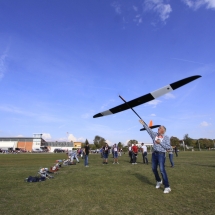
[[107, 104], [204, 124], [153, 114], [153, 103], [38, 116], [46, 136], [126, 142], [169, 96], [71, 137], [15, 110], [117, 7], [196, 4], [158, 6], [81, 139], [109, 142], [135, 8], [88, 114], [2, 65]]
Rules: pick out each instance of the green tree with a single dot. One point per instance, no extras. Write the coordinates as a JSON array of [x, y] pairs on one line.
[[84, 144], [99, 141], [175, 141], [187, 140], [130, 142], [92, 146], [120, 145]]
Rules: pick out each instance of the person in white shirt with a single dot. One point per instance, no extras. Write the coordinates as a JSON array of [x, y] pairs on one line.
[[115, 152], [130, 153], [144, 153]]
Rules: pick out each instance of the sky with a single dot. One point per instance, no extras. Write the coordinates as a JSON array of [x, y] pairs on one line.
[[63, 61]]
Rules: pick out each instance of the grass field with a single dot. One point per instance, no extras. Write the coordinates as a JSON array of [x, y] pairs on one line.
[[107, 189]]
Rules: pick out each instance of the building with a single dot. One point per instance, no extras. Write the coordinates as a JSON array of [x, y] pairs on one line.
[[77, 145], [67, 146], [25, 143], [35, 142]]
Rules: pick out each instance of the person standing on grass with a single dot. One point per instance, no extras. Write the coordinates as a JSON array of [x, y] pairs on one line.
[[86, 153], [176, 151], [134, 153], [170, 151], [115, 154], [161, 143], [144, 153], [120, 152], [112, 150], [130, 153], [105, 153]]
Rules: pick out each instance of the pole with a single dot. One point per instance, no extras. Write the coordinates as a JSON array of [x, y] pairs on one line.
[[199, 145], [136, 114], [130, 107]]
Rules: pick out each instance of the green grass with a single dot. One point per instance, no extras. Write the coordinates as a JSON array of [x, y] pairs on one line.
[[107, 189]]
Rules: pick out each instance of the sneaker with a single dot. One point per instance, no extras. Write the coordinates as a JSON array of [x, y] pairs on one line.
[[117, 163], [132, 163], [158, 184], [167, 190]]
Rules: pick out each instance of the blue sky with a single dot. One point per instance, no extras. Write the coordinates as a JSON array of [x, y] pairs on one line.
[[61, 62]]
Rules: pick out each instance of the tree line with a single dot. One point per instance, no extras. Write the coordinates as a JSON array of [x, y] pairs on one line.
[[99, 142], [203, 143]]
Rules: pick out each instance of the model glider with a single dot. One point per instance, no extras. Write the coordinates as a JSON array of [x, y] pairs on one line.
[[150, 126], [148, 97]]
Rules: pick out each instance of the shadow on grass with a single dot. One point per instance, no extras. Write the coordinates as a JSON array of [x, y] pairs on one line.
[[143, 178], [205, 165]]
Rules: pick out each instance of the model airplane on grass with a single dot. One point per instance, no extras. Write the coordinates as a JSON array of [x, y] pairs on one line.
[[148, 97]]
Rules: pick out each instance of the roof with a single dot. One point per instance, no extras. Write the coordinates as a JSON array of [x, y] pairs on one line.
[[19, 139]]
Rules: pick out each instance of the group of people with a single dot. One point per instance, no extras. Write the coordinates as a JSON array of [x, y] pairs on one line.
[[105, 151], [161, 145], [133, 151], [85, 154]]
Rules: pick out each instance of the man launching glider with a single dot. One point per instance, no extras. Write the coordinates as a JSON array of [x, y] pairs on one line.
[[161, 143]]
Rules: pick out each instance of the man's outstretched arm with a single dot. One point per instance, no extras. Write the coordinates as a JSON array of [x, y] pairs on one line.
[[151, 133]]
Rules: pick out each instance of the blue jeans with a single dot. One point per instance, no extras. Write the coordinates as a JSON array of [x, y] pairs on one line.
[[158, 159], [145, 159], [171, 159], [86, 160], [134, 157]]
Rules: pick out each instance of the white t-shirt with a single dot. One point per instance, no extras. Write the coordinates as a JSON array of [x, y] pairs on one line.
[[144, 148], [159, 138]]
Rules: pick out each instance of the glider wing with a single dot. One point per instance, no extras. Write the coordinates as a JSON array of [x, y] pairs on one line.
[[148, 97]]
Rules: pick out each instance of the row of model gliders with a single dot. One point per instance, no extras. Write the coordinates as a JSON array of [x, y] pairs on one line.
[[48, 173]]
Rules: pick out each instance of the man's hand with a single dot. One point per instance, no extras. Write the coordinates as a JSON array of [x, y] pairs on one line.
[[141, 121], [158, 141]]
